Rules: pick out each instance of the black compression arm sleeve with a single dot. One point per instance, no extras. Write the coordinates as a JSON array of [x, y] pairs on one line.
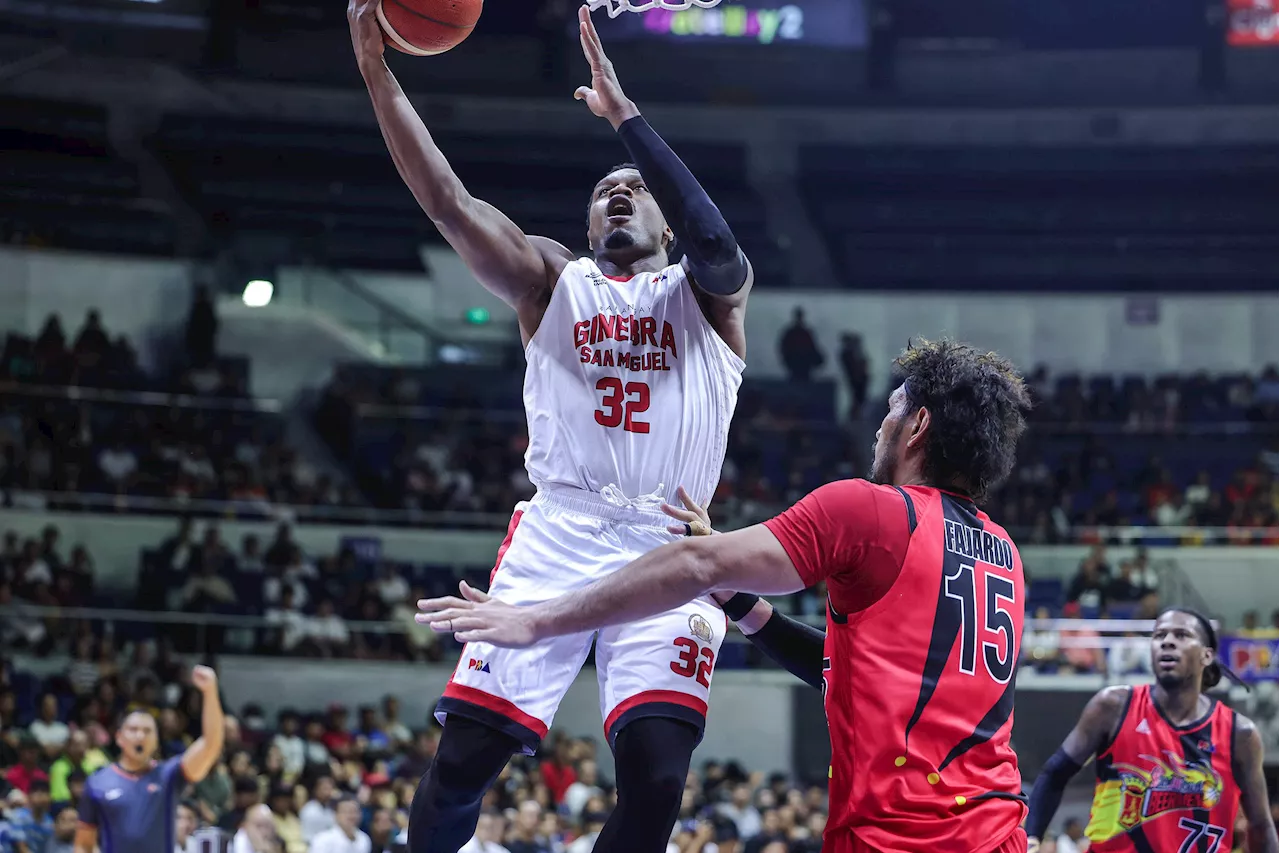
[[1046, 796], [716, 262], [793, 645]]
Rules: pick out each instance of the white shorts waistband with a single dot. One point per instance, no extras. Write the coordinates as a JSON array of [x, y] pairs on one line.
[[596, 505]]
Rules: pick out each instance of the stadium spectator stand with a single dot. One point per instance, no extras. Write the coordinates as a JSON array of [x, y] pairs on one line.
[[991, 218]]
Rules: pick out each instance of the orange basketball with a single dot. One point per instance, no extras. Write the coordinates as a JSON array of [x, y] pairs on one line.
[[427, 27]]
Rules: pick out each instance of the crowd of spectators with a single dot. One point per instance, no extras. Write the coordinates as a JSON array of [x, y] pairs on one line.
[[85, 421], [284, 782], [1081, 468]]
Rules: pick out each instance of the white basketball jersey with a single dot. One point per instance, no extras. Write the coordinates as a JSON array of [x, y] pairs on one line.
[[628, 388]]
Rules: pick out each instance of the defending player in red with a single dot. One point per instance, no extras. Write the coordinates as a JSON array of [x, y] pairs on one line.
[[924, 617], [1173, 764]]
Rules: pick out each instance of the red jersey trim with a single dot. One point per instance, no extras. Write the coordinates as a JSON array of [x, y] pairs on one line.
[[497, 705], [506, 543], [673, 697]]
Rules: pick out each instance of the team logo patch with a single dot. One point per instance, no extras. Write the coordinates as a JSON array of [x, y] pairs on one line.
[[114, 794], [478, 665], [1165, 786], [700, 628], [152, 788]]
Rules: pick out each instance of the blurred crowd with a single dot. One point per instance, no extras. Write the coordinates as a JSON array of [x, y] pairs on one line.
[[283, 782], [74, 424]]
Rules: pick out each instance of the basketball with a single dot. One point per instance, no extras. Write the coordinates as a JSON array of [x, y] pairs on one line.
[[427, 27]]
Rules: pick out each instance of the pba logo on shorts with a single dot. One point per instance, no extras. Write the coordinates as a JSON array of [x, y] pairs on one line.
[[700, 628], [478, 665]]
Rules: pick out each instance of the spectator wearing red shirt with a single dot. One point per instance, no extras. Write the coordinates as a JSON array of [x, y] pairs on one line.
[[337, 738], [26, 771], [558, 773]]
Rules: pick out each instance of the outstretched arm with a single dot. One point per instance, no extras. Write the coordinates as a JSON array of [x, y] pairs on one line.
[[1097, 725], [796, 647], [1246, 760], [509, 264], [202, 755], [712, 256]]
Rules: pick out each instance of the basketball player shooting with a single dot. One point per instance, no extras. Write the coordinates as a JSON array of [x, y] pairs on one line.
[[924, 616], [1173, 765], [634, 365]]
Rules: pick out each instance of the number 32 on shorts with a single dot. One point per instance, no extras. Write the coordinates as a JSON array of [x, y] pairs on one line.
[[688, 664], [622, 403]]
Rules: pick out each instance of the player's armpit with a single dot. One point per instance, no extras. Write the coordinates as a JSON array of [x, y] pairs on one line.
[[1246, 760]]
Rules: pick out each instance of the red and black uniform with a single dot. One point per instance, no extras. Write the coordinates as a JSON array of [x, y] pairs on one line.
[[1163, 787], [925, 608]]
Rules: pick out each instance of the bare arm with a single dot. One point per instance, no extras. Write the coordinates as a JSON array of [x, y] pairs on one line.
[[86, 838], [1097, 726], [202, 756], [509, 264], [1246, 760], [750, 560]]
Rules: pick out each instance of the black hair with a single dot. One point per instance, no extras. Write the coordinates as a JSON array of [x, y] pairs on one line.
[[1209, 638], [41, 785], [977, 406]]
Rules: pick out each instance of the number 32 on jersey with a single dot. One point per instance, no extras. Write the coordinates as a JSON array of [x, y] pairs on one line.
[[621, 403]]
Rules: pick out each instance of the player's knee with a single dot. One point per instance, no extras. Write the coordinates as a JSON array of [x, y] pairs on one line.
[[469, 757], [653, 760]]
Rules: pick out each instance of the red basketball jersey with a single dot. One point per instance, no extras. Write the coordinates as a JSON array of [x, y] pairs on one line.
[[919, 681], [1163, 787]]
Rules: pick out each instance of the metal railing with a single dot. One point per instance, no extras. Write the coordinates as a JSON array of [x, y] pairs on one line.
[[84, 394]]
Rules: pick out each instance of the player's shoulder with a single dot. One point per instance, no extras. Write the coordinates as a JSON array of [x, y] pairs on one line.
[[1110, 704]]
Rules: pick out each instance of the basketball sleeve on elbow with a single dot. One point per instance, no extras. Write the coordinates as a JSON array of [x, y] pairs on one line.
[[714, 258], [793, 645], [1046, 796]]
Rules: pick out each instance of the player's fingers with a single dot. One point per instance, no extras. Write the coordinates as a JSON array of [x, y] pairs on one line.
[[589, 46], [691, 504], [447, 623], [470, 593], [429, 605], [582, 92], [677, 513], [677, 529]]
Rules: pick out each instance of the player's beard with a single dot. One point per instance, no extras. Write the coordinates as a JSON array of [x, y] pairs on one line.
[[882, 467], [619, 238]]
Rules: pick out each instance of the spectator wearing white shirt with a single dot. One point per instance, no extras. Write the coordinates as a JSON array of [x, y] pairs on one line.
[[289, 619], [392, 587], [317, 814], [488, 838], [118, 464], [1072, 839], [583, 788], [257, 832], [327, 630], [48, 730], [345, 836], [293, 749]]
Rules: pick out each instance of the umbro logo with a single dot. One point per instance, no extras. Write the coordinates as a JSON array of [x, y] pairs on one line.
[[1143, 728]]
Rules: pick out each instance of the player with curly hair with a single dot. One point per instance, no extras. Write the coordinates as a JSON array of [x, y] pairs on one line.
[[924, 616]]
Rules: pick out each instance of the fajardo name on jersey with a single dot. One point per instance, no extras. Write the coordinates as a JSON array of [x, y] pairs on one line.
[[978, 545], [638, 331]]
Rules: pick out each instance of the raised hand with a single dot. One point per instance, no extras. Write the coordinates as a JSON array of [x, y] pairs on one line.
[[204, 679], [604, 96], [366, 32], [478, 617], [693, 519]]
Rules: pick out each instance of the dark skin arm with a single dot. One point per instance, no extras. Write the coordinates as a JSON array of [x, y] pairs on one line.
[[1246, 766], [518, 269], [1097, 725]]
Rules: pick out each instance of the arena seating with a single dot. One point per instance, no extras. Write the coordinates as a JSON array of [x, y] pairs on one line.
[[62, 185], [1046, 218], [331, 192]]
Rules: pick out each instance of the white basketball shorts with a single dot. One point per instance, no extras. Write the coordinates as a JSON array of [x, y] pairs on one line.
[[558, 542]]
